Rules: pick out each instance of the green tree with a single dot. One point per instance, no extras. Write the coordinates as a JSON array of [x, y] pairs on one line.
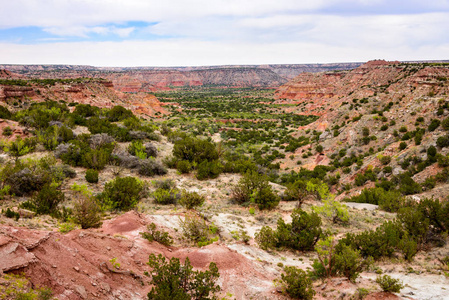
[[172, 280], [297, 284], [122, 193], [18, 148]]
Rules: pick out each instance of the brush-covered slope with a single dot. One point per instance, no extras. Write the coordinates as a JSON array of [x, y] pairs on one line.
[[379, 109]]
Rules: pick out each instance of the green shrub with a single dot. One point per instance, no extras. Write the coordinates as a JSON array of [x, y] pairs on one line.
[[297, 284], [360, 294], [425, 222], [86, 211], [265, 238], [91, 176], [151, 167], [184, 166], [47, 199], [119, 113], [86, 110], [389, 201], [389, 284], [378, 243], [166, 196], [19, 147], [402, 145], [195, 150], [365, 131], [301, 234], [209, 169], [11, 214], [191, 199], [434, 124], [349, 262], [122, 193], [431, 151], [7, 131], [96, 158], [319, 149], [172, 280], [161, 237], [5, 113], [194, 227], [407, 186], [296, 191], [137, 148], [385, 159], [443, 141], [445, 124], [255, 188]]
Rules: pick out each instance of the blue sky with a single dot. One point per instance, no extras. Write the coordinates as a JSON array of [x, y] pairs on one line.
[[221, 32]]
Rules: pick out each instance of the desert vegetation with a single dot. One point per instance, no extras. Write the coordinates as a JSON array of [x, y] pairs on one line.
[[361, 197]]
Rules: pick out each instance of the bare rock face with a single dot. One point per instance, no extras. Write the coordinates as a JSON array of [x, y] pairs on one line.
[[18, 91]]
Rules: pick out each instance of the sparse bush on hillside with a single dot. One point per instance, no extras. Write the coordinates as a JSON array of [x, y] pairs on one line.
[[91, 176], [161, 237], [122, 193], [119, 113], [195, 150], [255, 188], [301, 234], [195, 228], [86, 211], [19, 147], [385, 159], [389, 284], [4, 113], [297, 284], [47, 199], [382, 242], [443, 141], [209, 169], [137, 149], [184, 166], [389, 201], [191, 199], [164, 196], [151, 167], [166, 192], [445, 124], [434, 124], [172, 280]]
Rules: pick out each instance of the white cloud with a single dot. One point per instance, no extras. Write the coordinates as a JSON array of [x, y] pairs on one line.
[[82, 31], [180, 52], [201, 32]]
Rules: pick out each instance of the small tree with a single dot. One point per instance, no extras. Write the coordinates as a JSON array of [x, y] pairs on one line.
[[18, 148], [191, 199], [91, 176], [122, 193], [255, 188], [326, 251], [389, 284], [86, 211], [297, 284], [172, 280], [349, 262]]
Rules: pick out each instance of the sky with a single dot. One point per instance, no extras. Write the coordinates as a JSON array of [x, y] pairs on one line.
[[131, 33]]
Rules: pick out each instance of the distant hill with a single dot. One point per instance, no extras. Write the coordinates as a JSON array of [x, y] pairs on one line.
[[146, 79]]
